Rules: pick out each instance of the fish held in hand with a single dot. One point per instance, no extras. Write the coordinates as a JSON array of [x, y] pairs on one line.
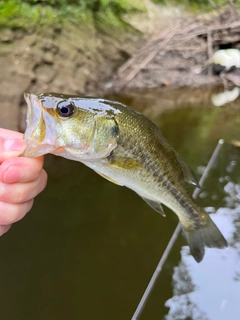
[[126, 148]]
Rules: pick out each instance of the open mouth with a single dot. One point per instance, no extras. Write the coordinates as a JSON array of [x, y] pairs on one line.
[[34, 118], [39, 134]]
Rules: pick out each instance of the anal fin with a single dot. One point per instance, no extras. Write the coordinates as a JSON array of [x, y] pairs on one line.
[[157, 206]]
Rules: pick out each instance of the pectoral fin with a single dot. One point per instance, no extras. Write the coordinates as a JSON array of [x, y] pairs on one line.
[[189, 175], [109, 179], [157, 206], [123, 163]]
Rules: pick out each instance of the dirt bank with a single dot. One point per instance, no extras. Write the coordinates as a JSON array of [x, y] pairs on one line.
[[178, 56], [89, 59], [75, 59]]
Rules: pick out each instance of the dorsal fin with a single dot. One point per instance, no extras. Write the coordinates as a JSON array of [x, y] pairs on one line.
[[189, 175]]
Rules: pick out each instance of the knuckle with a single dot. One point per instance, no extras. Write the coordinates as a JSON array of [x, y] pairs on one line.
[[4, 192], [13, 214], [10, 213], [44, 179], [20, 211], [4, 229], [11, 193], [19, 195]]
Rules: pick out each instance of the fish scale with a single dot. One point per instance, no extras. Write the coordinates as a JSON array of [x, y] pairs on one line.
[[126, 148]]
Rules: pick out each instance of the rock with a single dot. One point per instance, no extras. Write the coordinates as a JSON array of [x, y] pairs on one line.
[[6, 35]]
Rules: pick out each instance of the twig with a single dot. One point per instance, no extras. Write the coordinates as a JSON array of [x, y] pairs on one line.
[[210, 51], [194, 37], [145, 61]]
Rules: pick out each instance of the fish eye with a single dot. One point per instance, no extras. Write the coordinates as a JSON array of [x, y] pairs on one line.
[[65, 109]]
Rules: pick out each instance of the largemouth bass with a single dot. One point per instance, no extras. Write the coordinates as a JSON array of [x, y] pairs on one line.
[[125, 147]]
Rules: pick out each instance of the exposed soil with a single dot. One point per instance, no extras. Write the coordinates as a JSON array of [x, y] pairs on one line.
[[71, 59], [178, 56], [89, 61]]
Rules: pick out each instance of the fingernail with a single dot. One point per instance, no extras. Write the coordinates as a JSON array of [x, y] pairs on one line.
[[13, 145]]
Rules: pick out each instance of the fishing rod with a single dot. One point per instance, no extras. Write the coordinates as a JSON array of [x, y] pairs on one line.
[[175, 234]]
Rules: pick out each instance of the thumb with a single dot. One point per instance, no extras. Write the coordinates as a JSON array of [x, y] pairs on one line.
[[11, 148]]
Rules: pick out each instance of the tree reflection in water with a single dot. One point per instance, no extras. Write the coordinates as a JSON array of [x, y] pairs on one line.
[[210, 290]]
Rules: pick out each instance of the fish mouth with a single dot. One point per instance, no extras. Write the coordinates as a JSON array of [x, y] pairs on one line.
[[39, 134], [34, 116]]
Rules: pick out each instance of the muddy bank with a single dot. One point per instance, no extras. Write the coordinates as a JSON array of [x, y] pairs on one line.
[[179, 55], [68, 59], [90, 60]]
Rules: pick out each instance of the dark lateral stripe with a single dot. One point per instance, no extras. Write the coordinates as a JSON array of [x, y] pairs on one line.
[[193, 214], [160, 178]]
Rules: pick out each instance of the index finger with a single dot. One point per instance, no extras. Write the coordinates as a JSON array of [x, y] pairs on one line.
[[20, 169], [11, 144], [9, 134]]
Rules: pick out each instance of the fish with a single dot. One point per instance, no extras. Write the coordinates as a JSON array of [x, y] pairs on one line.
[[124, 147]]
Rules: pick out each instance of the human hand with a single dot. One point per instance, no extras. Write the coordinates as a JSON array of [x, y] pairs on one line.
[[21, 179]]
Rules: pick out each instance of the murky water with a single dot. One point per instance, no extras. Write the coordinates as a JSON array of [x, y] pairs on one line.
[[88, 248]]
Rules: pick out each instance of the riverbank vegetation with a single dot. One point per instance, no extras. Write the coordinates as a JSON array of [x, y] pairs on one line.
[[193, 5], [27, 13]]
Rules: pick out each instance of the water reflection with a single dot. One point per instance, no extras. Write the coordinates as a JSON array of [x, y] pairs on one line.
[[211, 289], [222, 98], [88, 247]]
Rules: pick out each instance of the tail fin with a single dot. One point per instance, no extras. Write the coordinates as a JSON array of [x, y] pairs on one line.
[[206, 234]]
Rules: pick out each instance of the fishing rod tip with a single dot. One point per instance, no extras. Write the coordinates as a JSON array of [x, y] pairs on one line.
[[221, 141]]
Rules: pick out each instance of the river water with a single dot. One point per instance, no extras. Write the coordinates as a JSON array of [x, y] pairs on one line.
[[88, 248]]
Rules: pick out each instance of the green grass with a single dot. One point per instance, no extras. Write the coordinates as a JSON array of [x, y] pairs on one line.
[[27, 14], [32, 13], [193, 5], [20, 14]]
